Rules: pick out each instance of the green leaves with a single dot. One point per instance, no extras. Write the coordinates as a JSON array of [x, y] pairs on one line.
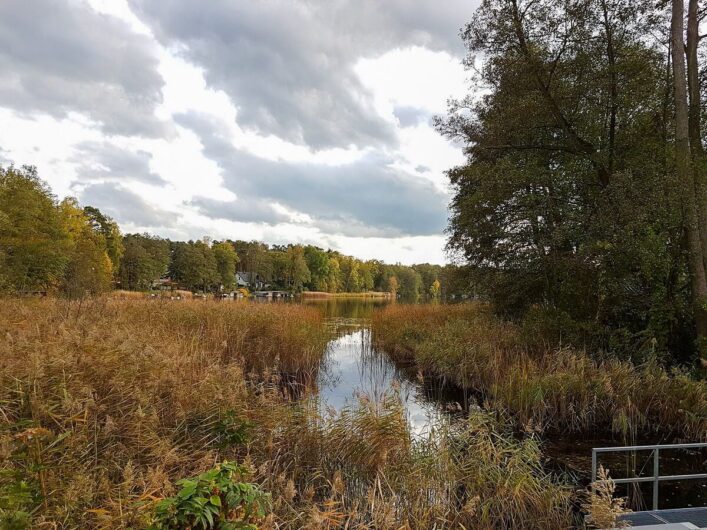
[[231, 430], [216, 499]]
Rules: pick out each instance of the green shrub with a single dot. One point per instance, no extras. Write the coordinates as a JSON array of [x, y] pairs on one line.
[[216, 499]]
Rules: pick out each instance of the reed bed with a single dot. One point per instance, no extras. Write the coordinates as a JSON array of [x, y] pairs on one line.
[[544, 389], [105, 404]]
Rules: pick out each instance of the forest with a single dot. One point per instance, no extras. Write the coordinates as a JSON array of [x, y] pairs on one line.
[[48, 246]]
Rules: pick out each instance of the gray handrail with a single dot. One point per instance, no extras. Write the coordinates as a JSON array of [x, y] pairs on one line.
[[656, 479]]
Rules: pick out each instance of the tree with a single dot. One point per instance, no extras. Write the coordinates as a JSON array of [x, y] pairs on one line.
[[350, 274], [318, 265], [393, 286], [89, 270], [689, 157], [564, 202], [194, 266], [333, 281], [435, 290], [367, 272], [33, 239], [226, 260], [695, 89], [110, 231], [409, 283], [296, 266], [145, 259]]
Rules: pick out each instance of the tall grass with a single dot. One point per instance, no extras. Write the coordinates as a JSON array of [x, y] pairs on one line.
[[558, 389], [105, 404]]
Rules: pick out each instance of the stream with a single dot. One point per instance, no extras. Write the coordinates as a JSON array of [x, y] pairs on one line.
[[353, 367]]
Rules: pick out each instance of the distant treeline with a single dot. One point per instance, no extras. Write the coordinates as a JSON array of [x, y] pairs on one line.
[[61, 247]]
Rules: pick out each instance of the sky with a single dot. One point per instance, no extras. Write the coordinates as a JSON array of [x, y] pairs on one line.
[[285, 121]]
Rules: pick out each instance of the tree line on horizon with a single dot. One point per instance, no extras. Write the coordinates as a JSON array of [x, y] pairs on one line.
[[582, 205], [52, 246]]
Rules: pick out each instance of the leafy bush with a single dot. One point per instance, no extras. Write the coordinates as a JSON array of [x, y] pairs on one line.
[[216, 499]]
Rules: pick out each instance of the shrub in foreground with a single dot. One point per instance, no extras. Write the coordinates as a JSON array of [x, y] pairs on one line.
[[216, 499]]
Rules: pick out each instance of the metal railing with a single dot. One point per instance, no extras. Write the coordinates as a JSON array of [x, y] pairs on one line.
[[656, 478]]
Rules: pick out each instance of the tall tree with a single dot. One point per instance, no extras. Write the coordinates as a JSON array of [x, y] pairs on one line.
[[89, 270], [226, 260], [194, 266], [33, 239], [334, 280], [563, 201], [145, 259], [318, 265], [110, 231], [683, 165], [699, 162], [296, 265]]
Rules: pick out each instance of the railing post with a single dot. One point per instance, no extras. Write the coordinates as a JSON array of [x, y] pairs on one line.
[[594, 469], [656, 475]]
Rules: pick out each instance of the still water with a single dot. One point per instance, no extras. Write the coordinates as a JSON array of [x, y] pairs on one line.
[[353, 367]]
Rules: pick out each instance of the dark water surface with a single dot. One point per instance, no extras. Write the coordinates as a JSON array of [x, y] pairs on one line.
[[352, 367]]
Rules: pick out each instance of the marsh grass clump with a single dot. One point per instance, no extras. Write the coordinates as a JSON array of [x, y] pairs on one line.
[[134, 395], [362, 468], [559, 389], [603, 508]]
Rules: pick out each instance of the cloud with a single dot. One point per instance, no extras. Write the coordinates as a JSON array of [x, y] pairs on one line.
[[4, 157], [59, 56], [410, 116], [106, 161], [289, 67], [244, 211], [362, 198], [125, 206]]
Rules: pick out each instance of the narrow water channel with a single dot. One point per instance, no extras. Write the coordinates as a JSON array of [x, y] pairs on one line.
[[353, 367]]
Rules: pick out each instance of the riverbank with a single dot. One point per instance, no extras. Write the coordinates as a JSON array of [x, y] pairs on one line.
[[367, 294], [561, 390], [106, 404]]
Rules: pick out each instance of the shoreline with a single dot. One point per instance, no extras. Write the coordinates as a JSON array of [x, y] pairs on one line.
[[367, 294]]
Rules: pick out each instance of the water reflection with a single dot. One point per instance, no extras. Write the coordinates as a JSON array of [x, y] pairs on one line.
[[352, 367]]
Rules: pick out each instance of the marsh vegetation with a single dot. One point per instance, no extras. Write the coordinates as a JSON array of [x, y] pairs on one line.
[[107, 404]]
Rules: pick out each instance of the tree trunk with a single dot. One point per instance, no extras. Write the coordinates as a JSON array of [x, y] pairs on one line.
[[685, 175], [696, 147], [613, 85]]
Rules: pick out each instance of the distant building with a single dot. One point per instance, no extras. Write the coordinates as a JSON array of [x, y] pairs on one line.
[[250, 280], [164, 284]]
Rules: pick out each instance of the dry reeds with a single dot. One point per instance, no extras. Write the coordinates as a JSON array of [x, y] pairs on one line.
[[105, 404], [603, 509], [564, 390]]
